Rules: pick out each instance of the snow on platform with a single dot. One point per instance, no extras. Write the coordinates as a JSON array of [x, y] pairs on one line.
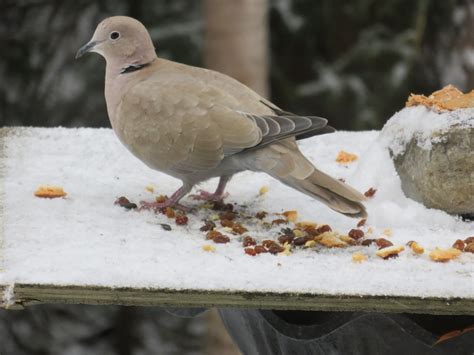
[[86, 240]]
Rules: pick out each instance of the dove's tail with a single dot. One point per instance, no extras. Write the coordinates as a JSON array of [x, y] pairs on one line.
[[285, 162], [332, 192]]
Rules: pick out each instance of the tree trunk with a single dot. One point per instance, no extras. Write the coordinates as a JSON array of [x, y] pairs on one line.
[[236, 40]]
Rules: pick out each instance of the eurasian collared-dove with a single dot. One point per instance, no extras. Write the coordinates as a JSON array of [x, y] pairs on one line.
[[195, 124]]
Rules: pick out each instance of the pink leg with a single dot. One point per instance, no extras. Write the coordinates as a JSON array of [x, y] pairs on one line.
[[170, 202], [217, 195]]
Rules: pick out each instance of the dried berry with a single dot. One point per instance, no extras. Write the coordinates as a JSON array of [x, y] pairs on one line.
[[250, 251], [125, 203], [227, 223], [323, 229], [169, 212], [221, 206], [165, 226], [208, 225], [285, 238], [383, 243], [260, 249], [370, 192], [367, 242], [261, 214], [356, 234], [267, 243], [469, 240], [181, 219], [212, 234], [279, 221], [361, 222], [469, 248], [221, 239], [248, 241], [300, 241], [239, 229], [229, 215], [275, 249], [459, 244]]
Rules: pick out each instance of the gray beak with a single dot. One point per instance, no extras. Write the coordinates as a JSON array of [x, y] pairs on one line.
[[85, 48]]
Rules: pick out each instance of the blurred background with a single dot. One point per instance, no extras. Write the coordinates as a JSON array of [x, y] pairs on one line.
[[354, 62]]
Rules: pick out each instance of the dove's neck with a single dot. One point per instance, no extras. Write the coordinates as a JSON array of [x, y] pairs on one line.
[[119, 78]]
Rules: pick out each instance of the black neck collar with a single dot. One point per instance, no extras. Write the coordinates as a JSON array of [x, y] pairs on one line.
[[133, 67]]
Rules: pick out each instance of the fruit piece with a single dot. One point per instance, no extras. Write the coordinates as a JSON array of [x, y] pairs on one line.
[[356, 234], [469, 248], [48, 191], [345, 157], [239, 229], [248, 241], [330, 240], [459, 244], [390, 251], [125, 203], [169, 212], [415, 247], [383, 243], [291, 216], [444, 255], [263, 190], [181, 219], [209, 248], [250, 251], [221, 239], [261, 214], [208, 225], [359, 257], [370, 192]]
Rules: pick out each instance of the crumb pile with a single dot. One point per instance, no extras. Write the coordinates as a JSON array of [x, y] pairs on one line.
[[264, 237]]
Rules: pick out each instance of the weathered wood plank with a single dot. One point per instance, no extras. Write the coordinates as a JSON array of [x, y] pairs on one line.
[[25, 295]]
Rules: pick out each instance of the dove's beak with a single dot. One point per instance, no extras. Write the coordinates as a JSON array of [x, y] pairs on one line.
[[86, 48]]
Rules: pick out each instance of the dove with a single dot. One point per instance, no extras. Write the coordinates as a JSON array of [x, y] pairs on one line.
[[196, 124]]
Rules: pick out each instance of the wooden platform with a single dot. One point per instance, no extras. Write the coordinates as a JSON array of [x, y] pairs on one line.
[[45, 249]]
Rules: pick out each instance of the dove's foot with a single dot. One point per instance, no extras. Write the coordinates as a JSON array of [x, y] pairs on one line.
[[172, 201], [209, 196]]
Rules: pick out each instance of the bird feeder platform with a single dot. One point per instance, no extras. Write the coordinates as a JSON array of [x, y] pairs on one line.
[[82, 248]]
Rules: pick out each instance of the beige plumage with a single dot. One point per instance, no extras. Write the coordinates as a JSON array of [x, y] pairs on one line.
[[194, 124]]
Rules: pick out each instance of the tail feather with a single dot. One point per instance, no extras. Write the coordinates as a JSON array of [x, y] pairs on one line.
[[336, 195]]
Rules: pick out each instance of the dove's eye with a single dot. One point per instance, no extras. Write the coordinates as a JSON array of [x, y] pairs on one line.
[[114, 35]]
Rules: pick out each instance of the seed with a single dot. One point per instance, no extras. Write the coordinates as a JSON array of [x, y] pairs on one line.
[[227, 223], [367, 242], [239, 229], [469, 248], [300, 241], [169, 212], [261, 214], [275, 249], [165, 226], [279, 221], [361, 222], [260, 249], [370, 192]]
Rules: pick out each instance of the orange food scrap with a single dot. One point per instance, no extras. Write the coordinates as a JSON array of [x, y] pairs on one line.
[[359, 257], [209, 248], [389, 251], [448, 98], [444, 255], [291, 216], [48, 191], [345, 157]]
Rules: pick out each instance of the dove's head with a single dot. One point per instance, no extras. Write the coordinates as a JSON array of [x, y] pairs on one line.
[[122, 41]]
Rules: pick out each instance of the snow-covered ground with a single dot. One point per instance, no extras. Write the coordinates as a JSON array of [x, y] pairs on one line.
[[85, 239]]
